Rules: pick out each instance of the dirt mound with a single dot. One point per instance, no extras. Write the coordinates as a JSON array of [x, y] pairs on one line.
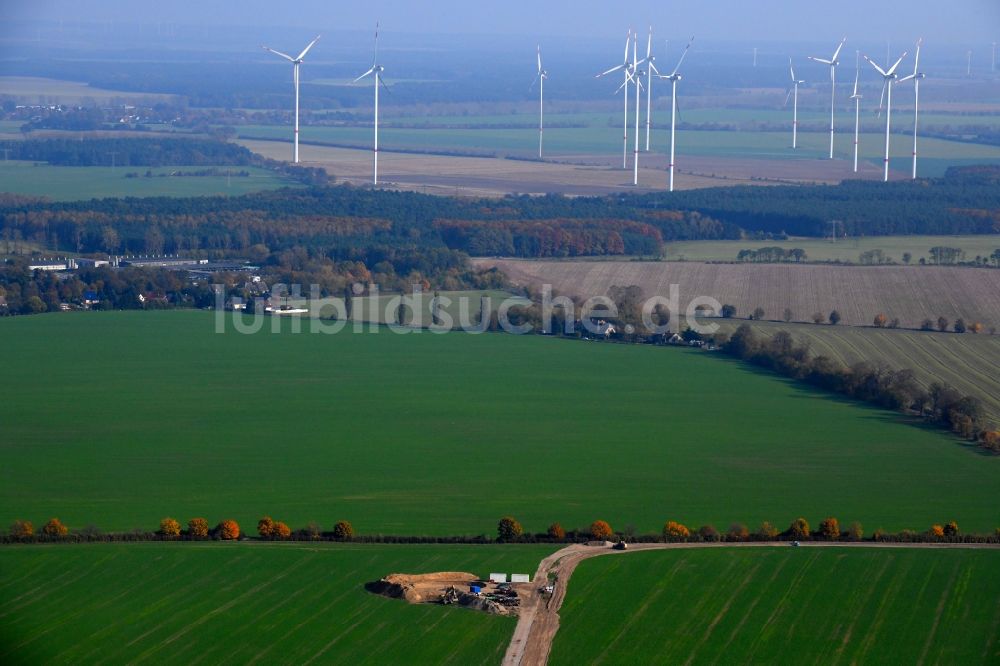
[[420, 588]]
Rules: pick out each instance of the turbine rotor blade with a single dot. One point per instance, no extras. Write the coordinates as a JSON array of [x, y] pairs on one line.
[[837, 52], [610, 71], [822, 60], [892, 70], [683, 55], [306, 49], [875, 65], [364, 75], [279, 53]]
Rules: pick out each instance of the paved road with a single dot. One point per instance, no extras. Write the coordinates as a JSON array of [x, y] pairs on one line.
[[538, 621]]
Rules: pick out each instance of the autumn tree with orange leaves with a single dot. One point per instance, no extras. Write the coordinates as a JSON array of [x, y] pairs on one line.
[[600, 530], [830, 528], [22, 529], [343, 531], [54, 528], [281, 531], [556, 531], [198, 528], [170, 528], [799, 529], [674, 531], [228, 530], [265, 527]]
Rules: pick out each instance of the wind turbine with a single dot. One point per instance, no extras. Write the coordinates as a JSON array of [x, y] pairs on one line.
[[295, 77], [915, 77], [674, 77], [794, 93], [376, 73], [636, 75], [626, 66], [856, 96], [832, 62], [540, 80], [888, 76], [650, 69]]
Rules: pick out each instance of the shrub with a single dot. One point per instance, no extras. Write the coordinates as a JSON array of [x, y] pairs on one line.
[[198, 528], [508, 529], [855, 531], [799, 529], [738, 532], [280, 531], [829, 528], [556, 531], [951, 529], [674, 531], [170, 528], [22, 529], [708, 533], [54, 528], [880, 320], [228, 530], [600, 530], [834, 317], [265, 527], [767, 530], [312, 532], [936, 532], [343, 531]]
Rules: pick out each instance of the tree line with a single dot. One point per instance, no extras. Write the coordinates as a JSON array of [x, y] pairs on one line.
[[509, 530], [874, 383]]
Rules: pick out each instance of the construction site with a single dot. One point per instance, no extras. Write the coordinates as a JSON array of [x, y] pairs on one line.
[[495, 594]]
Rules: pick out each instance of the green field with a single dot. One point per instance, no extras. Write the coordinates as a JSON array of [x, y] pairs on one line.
[[64, 183], [783, 605], [118, 419], [845, 250], [237, 603]]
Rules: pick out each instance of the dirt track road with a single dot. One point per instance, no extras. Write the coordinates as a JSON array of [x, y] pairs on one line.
[[539, 620]]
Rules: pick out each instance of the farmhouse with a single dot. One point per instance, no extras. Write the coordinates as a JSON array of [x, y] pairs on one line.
[[51, 265]]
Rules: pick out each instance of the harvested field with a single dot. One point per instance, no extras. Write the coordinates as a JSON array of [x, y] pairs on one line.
[[38, 90], [970, 363], [572, 175], [911, 293]]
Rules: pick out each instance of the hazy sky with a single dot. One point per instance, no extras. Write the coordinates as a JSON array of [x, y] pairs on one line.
[[951, 21]]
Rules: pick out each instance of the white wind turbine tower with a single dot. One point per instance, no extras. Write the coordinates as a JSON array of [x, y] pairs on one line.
[[888, 76], [540, 80], [295, 77], [650, 70], [832, 62], [636, 76], [856, 96], [794, 94], [626, 66], [376, 73], [674, 77], [915, 77]]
